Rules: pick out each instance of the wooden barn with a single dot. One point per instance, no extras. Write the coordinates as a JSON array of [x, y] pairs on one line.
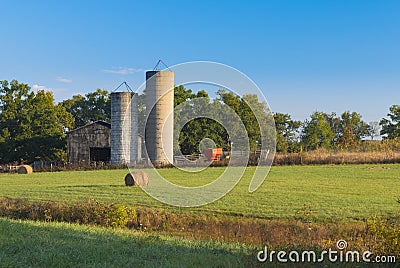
[[90, 143]]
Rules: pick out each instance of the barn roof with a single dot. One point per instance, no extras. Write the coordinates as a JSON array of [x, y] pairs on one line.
[[99, 122]]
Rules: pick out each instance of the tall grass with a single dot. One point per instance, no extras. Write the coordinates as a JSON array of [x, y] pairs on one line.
[[323, 156], [364, 152], [300, 232], [188, 225]]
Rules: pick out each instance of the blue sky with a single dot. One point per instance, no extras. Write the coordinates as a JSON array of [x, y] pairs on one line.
[[305, 55]]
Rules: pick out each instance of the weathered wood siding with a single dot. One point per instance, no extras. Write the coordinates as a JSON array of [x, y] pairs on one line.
[[80, 140]]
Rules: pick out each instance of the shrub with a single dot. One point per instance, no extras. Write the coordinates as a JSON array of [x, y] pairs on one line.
[[90, 212], [385, 234]]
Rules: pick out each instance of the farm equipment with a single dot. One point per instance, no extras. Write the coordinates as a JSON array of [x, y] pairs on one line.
[[213, 154]]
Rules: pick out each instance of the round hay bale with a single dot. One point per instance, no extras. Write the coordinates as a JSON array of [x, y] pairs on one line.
[[25, 169], [138, 178], [129, 181]]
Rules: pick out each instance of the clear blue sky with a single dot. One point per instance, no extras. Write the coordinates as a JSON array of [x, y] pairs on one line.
[[305, 55]]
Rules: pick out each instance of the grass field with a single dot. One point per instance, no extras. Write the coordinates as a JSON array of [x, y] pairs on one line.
[[35, 244], [324, 193], [54, 244], [301, 207]]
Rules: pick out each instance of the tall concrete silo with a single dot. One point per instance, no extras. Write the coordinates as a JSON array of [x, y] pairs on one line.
[[120, 127], [160, 122]]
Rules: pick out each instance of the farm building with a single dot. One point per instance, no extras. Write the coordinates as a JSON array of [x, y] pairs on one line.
[[92, 143], [120, 142], [89, 143]]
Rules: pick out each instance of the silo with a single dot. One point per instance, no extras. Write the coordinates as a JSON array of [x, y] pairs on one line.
[[120, 127], [160, 121], [134, 152]]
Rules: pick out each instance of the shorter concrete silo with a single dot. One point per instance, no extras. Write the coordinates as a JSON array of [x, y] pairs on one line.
[[120, 127]]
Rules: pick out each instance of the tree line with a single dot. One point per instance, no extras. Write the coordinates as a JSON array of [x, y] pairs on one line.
[[33, 126]]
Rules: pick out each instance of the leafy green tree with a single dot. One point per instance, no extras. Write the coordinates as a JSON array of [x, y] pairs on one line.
[[32, 126], [391, 126], [334, 122], [317, 132], [249, 110], [287, 131], [194, 131], [181, 94], [230, 99], [92, 107], [201, 128], [247, 107], [351, 129]]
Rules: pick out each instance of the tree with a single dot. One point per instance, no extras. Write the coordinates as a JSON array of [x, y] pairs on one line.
[[374, 129], [317, 132], [391, 126], [286, 133], [92, 107], [351, 129], [334, 122], [201, 128], [194, 131], [249, 109], [32, 126], [181, 94]]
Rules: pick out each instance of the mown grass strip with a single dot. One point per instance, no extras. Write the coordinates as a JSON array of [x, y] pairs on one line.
[[39, 244], [329, 192]]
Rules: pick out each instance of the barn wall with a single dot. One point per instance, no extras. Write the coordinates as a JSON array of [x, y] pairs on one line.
[[79, 141]]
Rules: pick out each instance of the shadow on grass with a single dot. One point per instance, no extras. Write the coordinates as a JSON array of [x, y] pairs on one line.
[[39, 244], [92, 186], [35, 244]]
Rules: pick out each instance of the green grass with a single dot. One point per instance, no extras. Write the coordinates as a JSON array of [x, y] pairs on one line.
[[323, 193], [39, 244], [44, 244]]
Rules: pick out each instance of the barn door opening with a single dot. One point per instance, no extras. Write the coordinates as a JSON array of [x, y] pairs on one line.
[[100, 154]]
